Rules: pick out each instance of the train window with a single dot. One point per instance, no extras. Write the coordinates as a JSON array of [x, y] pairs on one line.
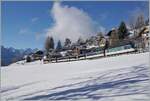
[[127, 46]]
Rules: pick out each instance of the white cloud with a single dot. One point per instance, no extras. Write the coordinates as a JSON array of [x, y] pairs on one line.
[[71, 22], [34, 19]]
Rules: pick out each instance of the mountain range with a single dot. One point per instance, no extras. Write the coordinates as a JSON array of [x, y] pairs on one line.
[[10, 54]]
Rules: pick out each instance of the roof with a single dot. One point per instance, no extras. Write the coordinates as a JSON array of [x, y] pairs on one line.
[[109, 33]]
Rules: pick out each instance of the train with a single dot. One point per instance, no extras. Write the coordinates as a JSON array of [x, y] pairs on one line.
[[96, 53]]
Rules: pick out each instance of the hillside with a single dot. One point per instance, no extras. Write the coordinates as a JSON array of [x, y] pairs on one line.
[[122, 77]]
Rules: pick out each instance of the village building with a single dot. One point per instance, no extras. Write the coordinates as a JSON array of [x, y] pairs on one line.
[[113, 37], [142, 40], [38, 55]]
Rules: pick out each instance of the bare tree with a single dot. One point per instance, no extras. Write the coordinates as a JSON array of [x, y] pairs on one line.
[[140, 21], [137, 21], [132, 22]]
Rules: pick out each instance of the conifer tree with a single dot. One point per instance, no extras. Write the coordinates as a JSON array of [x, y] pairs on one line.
[[122, 31], [59, 46], [49, 43]]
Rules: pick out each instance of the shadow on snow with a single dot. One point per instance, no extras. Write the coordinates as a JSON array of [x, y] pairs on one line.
[[109, 84]]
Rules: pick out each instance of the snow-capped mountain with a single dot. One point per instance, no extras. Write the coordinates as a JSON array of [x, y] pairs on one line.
[[119, 78], [10, 55]]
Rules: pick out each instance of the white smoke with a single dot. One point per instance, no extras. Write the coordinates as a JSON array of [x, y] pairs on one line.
[[71, 22]]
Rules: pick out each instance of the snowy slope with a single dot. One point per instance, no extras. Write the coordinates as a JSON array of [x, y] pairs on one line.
[[120, 78]]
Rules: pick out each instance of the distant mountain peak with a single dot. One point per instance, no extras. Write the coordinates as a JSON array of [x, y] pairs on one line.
[[10, 54]]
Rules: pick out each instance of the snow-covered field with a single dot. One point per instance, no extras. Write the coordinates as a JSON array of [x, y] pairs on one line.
[[120, 78]]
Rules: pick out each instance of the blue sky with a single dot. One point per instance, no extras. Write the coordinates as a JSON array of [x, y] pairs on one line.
[[24, 24]]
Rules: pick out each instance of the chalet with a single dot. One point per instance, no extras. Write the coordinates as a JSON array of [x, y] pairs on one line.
[[38, 55], [102, 42], [113, 37], [142, 40]]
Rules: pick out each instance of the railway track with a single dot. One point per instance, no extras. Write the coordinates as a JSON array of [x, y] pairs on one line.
[[91, 57]]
